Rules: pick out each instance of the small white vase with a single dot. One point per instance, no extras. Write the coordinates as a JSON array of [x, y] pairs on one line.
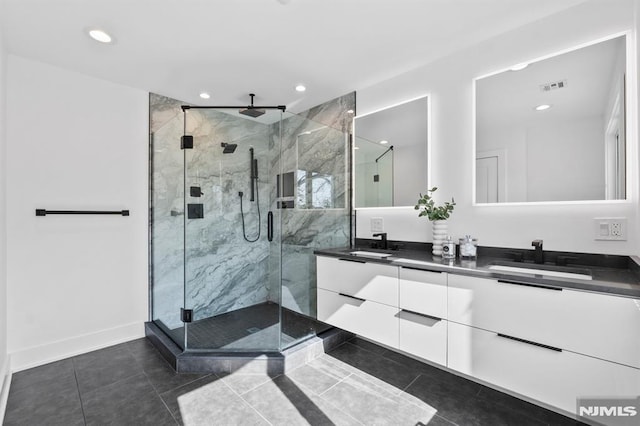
[[440, 231]]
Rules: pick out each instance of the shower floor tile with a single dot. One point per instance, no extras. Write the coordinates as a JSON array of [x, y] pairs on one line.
[[254, 327], [358, 383]]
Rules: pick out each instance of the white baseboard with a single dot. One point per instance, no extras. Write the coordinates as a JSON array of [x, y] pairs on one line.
[[55, 351], [5, 382]]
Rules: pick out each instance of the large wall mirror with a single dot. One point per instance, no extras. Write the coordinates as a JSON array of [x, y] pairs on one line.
[[554, 129], [390, 155]]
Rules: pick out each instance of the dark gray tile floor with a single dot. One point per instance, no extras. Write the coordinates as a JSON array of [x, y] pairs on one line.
[[358, 383]]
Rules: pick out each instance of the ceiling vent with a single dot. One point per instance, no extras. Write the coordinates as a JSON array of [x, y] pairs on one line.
[[554, 85]]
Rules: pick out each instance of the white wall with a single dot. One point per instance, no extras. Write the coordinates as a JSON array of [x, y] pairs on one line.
[[4, 359], [565, 161], [74, 282], [449, 83]]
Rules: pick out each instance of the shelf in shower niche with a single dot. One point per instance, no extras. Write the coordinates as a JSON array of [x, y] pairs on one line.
[[45, 212]]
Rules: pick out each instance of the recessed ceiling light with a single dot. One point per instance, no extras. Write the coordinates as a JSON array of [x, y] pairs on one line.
[[99, 35], [300, 88], [542, 107], [384, 142], [519, 67], [205, 95], [350, 111]]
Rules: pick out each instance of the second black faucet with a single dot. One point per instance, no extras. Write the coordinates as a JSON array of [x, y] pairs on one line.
[[383, 242], [538, 256]]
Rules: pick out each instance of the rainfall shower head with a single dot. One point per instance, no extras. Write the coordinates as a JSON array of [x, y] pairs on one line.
[[252, 111], [229, 148]]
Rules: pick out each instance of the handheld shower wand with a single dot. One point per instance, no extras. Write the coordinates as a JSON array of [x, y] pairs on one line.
[[255, 195], [253, 173]]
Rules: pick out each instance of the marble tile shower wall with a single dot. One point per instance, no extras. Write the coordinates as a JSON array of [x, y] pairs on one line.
[[223, 271], [314, 141]]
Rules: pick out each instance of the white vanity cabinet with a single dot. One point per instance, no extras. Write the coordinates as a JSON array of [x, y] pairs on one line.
[[365, 280], [548, 344], [423, 314], [598, 325], [554, 377], [551, 345], [359, 297]]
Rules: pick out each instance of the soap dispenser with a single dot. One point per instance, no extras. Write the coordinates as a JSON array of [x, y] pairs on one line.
[[448, 249]]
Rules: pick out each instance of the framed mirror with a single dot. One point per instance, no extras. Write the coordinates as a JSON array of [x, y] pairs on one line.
[[390, 155], [554, 129]]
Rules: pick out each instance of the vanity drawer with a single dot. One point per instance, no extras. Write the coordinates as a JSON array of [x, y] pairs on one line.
[[424, 292], [369, 319], [370, 281], [549, 376], [425, 337], [598, 325]]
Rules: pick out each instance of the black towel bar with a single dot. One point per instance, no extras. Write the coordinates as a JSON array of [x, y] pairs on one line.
[[44, 212]]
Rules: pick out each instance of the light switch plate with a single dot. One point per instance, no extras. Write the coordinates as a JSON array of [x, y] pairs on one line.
[[377, 224], [610, 228]]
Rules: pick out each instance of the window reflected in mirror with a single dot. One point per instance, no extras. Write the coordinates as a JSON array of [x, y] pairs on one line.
[[554, 129]]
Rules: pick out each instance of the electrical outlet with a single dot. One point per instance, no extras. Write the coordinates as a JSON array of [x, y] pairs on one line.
[[377, 224], [616, 229], [610, 228]]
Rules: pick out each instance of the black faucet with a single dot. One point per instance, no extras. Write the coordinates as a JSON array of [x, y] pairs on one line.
[[385, 245], [538, 256]]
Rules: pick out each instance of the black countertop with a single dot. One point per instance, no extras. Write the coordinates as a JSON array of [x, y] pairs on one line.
[[614, 275]]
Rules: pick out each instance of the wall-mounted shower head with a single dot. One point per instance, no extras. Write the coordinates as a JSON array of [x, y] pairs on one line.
[[250, 110], [229, 148]]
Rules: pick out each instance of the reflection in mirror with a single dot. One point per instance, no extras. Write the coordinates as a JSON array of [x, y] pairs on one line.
[[373, 173], [390, 155], [555, 129]]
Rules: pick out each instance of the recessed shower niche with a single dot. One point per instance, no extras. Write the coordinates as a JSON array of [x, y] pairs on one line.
[[241, 278]]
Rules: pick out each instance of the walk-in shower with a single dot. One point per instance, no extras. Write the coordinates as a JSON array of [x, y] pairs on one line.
[[232, 262]]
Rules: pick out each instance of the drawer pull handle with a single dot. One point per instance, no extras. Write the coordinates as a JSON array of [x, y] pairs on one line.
[[420, 269], [351, 260], [421, 315], [540, 345], [530, 285], [352, 297]]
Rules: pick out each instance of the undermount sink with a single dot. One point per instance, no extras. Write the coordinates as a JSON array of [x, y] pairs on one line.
[[544, 270], [370, 254]]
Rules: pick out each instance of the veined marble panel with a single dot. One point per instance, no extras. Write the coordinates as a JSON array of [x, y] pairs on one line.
[[314, 140]]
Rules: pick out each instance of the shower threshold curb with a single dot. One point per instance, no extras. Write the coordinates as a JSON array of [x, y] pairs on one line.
[[271, 363]]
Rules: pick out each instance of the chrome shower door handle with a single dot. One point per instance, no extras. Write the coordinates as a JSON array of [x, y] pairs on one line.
[[270, 226]]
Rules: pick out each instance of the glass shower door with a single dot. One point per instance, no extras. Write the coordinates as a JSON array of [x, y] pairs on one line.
[[317, 216], [231, 253], [167, 236]]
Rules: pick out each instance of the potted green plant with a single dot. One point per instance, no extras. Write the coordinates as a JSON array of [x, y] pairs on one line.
[[438, 215]]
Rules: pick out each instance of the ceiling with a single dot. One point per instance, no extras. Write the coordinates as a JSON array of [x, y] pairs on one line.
[[507, 99], [179, 48]]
